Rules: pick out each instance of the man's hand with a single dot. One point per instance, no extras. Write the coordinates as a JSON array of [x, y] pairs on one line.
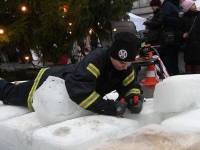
[[121, 106]]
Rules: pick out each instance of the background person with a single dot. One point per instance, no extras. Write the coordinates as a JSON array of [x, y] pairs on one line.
[[170, 20], [190, 31], [154, 24]]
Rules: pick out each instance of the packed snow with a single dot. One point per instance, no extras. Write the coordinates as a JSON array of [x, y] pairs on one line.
[[169, 120], [50, 110], [177, 94]]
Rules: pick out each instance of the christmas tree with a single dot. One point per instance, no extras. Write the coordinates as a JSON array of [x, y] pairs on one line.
[[52, 26]]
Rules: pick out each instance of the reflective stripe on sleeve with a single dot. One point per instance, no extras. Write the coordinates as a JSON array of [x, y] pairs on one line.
[[35, 84], [132, 91], [128, 79], [91, 99], [93, 69]]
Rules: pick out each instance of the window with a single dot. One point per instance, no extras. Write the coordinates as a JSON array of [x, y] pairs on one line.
[[141, 3]]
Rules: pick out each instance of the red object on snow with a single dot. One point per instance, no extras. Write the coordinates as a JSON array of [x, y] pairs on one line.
[[135, 99], [122, 99], [63, 60]]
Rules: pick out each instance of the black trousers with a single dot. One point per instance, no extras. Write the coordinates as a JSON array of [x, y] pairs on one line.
[[15, 94], [18, 94], [170, 59]]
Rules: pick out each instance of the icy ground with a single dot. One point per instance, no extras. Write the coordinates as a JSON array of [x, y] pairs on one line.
[[169, 121]]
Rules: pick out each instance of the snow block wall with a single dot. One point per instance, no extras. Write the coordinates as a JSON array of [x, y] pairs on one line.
[[7, 111], [153, 137], [83, 132], [153, 128], [177, 94]]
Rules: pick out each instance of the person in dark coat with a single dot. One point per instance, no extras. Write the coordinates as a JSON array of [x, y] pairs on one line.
[[154, 24], [190, 31], [170, 20], [88, 81]]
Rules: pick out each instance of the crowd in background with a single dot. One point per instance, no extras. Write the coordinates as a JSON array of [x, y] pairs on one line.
[[175, 27]]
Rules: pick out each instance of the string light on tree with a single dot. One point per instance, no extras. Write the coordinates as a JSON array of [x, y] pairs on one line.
[[1, 31], [64, 19], [69, 29], [23, 8], [114, 29], [90, 31], [99, 25], [27, 59], [55, 45], [64, 8]]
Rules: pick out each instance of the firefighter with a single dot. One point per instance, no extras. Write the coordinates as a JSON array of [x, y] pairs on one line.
[[88, 81]]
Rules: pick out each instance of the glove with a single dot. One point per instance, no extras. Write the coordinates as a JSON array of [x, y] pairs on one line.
[[120, 106], [135, 103]]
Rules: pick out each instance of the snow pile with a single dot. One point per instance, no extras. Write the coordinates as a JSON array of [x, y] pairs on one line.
[[16, 132], [52, 103], [177, 94], [83, 132], [153, 137], [7, 111], [148, 114], [187, 121], [170, 120]]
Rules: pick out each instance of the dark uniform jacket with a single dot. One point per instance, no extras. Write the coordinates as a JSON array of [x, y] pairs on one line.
[[91, 79]]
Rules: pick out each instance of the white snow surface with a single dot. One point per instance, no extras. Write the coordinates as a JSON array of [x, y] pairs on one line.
[[51, 110], [169, 120], [177, 93]]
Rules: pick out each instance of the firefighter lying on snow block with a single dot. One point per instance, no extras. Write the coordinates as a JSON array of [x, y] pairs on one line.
[[88, 81]]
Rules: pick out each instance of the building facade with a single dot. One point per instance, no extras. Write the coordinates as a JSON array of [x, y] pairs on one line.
[[142, 8]]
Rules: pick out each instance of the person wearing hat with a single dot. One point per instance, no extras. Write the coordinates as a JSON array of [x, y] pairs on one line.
[[190, 34], [170, 11], [88, 81], [154, 24], [188, 5]]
